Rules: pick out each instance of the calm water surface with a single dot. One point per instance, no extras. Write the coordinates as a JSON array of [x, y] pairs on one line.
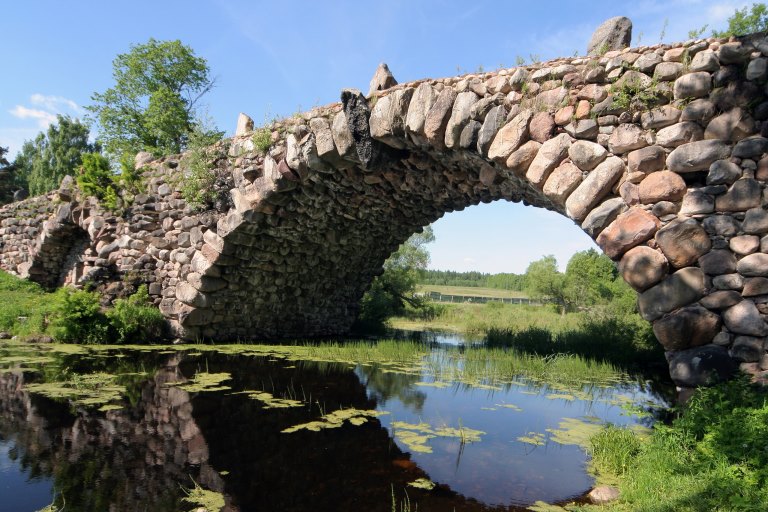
[[485, 445]]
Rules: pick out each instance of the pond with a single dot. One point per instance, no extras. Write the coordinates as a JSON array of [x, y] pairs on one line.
[[355, 426]]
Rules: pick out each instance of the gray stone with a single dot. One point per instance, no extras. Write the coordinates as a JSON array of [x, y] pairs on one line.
[[582, 129], [718, 261], [723, 172], [755, 222], [541, 126], [649, 159], [387, 120], [744, 318], [593, 188], [342, 137], [141, 159], [696, 202], [692, 85], [757, 69], [642, 267], [625, 138], [701, 366], [700, 111], [480, 109], [741, 196], [468, 137], [728, 282], [668, 71], [563, 180], [613, 34], [519, 161], [602, 215], [510, 137], [679, 289], [752, 147], [723, 225], [421, 103], [753, 265], [437, 118], [697, 156], [747, 349], [733, 53], [646, 62], [683, 242], [755, 286], [244, 125], [679, 134], [744, 244], [205, 283], [460, 116], [550, 154], [586, 155], [705, 61], [630, 229], [603, 494], [691, 326], [494, 120], [721, 299], [663, 208], [382, 79], [730, 126], [660, 117]]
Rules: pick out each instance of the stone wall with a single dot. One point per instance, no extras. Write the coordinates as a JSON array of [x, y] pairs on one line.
[[657, 152]]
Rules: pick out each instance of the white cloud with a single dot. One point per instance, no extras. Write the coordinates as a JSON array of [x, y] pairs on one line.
[[54, 103], [470, 260], [44, 118]]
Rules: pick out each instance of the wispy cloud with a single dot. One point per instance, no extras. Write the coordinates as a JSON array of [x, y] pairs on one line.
[[44, 118], [55, 103], [47, 109]]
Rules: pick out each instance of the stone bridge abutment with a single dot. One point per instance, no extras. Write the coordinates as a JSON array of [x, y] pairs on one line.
[[658, 153]]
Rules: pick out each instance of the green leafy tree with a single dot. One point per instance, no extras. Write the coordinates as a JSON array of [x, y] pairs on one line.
[[43, 162], [7, 178], [746, 21], [393, 291], [153, 103], [589, 279], [544, 281]]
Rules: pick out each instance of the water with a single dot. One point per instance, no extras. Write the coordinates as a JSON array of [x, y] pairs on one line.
[[166, 439]]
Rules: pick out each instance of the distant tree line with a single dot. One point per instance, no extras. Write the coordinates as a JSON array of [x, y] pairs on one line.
[[503, 281]]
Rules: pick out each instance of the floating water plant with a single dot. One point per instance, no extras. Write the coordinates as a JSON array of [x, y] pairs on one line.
[[416, 436], [574, 431], [211, 501], [542, 506], [534, 438], [510, 406], [204, 382], [422, 483], [87, 390], [436, 384], [270, 402], [336, 419]]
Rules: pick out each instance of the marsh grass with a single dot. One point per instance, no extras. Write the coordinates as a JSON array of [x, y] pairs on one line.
[[712, 457]]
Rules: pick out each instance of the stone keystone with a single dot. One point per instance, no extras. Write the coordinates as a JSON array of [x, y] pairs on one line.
[[382, 79], [612, 34]]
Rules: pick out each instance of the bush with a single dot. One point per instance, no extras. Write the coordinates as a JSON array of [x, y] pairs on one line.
[[135, 319], [79, 318], [95, 175]]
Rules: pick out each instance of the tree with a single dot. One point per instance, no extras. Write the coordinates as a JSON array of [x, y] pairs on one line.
[[544, 281], [43, 162], [153, 103], [7, 178], [393, 291], [589, 278], [746, 21]]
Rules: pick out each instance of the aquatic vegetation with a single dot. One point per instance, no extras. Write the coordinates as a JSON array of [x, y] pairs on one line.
[[204, 382], [110, 407], [542, 506], [534, 438], [510, 406], [575, 431], [336, 419], [211, 501], [422, 483], [416, 436], [86, 390], [436, 384], [270, 402]]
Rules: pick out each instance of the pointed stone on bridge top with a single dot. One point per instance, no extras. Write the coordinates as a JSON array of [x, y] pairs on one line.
[[244, 124], [613, 34], [382, 79]]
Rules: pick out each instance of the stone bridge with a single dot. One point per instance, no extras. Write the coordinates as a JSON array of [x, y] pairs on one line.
[[657, 153]]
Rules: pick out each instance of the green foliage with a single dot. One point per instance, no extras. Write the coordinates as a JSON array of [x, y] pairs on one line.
[[152, 104], [94, 177], [135, 319], [26, 309], [503, 281], [262, 139], [697, 33], [79, 318], [712, 457], [748, 20], [43, 162], [197, 184], [393, 290], [544, 281], [633, 96]]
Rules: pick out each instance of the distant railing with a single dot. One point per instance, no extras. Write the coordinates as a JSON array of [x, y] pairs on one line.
[[442, 297]]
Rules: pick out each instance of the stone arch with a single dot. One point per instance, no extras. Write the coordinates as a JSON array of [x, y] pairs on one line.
[[670, 187]]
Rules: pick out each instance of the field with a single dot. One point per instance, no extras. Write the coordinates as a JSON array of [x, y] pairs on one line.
[[471, 291]]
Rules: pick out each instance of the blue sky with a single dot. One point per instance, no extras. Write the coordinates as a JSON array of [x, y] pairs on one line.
[[276, 58]]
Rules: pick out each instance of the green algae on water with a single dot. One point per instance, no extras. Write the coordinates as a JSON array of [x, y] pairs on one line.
[[336, 419], [211, 501], [270, 402], [87, 390], [534, 438], [574, 431], [204, 382], [543, 506], [416, 436]]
